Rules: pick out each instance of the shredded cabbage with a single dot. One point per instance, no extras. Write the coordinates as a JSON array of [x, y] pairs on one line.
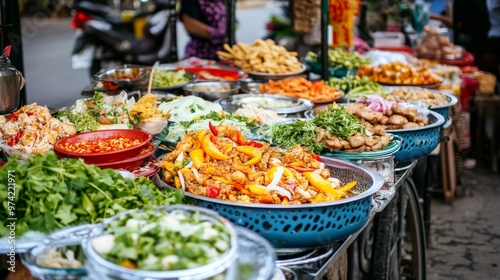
[[177, 130], [188, 107]]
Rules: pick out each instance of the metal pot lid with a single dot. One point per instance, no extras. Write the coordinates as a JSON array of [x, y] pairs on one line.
[[280, 104]]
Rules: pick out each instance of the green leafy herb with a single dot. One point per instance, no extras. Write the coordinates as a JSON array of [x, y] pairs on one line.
[[51, 194], [337, 121], [287, 135]]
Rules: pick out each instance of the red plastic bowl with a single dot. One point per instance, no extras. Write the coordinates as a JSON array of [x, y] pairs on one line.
[[113, 156], [226, 74], [133, 163]]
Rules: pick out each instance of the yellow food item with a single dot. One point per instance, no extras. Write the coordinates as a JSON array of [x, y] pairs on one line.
[[211, 149], [197, 156], [255, 153], [262, 56], [320, 183], [146, 107]]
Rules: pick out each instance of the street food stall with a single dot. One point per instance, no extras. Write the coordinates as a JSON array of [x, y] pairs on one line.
[[263, 165]]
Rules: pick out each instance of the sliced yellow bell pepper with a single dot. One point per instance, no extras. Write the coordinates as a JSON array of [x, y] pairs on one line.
[[347, 187], [268, 178], [318, 198], [198, 157], [255, 153], [200, 134], [321, 184], [177, 182], [223, 180], [258, 190], [128, 264], [167, 165], [211, 149]]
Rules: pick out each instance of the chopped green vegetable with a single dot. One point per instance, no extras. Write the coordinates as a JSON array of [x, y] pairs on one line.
[[339, 58], [51, 194], [166, 78], [82, 122], [161, 240]]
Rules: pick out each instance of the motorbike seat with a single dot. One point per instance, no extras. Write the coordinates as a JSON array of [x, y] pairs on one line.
[[122, 40], [100, 10]]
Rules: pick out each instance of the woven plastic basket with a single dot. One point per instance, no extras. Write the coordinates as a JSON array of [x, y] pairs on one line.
[[419, 142], [444, 110], [303, 225]]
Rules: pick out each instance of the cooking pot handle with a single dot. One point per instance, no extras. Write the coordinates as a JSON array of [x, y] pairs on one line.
[[22, 81]]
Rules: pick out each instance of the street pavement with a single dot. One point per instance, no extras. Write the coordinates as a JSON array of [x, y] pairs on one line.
[[464, 242], [465, 234]]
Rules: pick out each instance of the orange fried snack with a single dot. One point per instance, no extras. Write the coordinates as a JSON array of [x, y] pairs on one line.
[[399, 73], [316, 91]]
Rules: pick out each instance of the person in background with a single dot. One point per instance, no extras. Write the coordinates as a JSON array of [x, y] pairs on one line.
[[492, 53], [470, 26], [205, 22], [439, 11]]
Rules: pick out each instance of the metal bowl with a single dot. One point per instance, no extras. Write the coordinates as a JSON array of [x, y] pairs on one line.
[[280, 104], [212, 91], [29, 259], [128, 76], [191, 77], [306, 225], [100, 268]]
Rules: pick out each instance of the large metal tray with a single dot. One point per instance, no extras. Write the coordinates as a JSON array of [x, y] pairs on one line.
[[266, 101]]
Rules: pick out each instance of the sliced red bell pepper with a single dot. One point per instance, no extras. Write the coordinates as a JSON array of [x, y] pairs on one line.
[[213, 139], [213, 129], [12, 117], [254, 144], [11, 141], [19, 135], [318, 158], [110, 85], [213, 192]]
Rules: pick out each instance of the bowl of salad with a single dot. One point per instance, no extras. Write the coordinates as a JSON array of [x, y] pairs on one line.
[[170, 242]]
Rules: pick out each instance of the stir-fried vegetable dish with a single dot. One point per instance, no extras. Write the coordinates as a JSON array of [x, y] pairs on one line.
[[221, 163]]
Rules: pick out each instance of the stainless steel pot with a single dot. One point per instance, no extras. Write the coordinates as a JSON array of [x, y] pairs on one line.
[[11, 82]]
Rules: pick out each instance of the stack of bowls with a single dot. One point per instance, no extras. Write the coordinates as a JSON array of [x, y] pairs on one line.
[[129, 158]]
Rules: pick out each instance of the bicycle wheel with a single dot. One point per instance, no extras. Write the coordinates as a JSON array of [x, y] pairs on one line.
[[412, 240]]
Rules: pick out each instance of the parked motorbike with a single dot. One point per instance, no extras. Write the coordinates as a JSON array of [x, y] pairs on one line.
[[106, 37]]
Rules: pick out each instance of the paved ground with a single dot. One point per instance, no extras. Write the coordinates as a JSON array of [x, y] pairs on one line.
[[465, 234]]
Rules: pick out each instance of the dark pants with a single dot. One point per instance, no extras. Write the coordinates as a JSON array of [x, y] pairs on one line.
[[489, 59]]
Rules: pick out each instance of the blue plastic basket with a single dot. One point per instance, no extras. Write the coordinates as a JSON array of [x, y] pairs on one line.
[[444, 110], [419, 142], [306, 225]]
